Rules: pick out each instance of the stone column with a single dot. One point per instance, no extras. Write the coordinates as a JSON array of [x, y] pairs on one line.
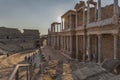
[[116, 46], [100, 56], [84, 16], [67, 44], [116, 7], [76, 19], [64, 42], [70, 22], [96, 48], [88, 13], [58, 42], [54, 29], [95, 12], [71, 50], [84, 54], [57, 28], [99, 10], [88, 48], [77, 47]]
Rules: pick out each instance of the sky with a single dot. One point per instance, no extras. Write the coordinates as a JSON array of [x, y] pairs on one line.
[[34, 14]]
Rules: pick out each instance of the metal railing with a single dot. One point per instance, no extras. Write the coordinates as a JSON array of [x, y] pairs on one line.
[[15, 72]]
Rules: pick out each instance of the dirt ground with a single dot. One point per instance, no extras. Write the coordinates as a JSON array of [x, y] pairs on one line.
[[7, 63]]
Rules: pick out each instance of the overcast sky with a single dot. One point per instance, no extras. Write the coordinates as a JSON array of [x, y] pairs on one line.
[[34, 14]]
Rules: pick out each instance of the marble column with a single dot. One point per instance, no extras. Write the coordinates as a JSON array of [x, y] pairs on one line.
[[116, 7], [54, 29], [84, 45], [116, 46], [67, 44], [88, 48], [70, 22], [84, 16], [64, 42], [76, 19], [99, 10], [57, 28], [58, 42], [88, 13], [71, 50], [100, 56], [77, 46], [96, 49], [95, 12]]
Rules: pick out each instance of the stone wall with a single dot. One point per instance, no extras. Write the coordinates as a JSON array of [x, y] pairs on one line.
[[29, 33], [9, 33], [12, 40]]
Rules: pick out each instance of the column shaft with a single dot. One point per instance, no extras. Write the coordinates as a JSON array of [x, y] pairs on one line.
[[95, 13], [115, 46], [88, 13], [99, 49], [116, 7], [83, 16], [77, 45], [71, 50], [99, 10], [89, 45], [70, 21], [76, 19]]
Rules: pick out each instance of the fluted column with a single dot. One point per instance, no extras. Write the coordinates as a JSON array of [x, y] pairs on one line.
[[71, 50], [89, 47], [84, 16], [67, 44], [95, 12], [84, 48], [88, 13], [70, 22], [64, 43], [57, 28], [100, 56], [77, 47], [99, 10], [76, 19], [115, 46], [116, 7]]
